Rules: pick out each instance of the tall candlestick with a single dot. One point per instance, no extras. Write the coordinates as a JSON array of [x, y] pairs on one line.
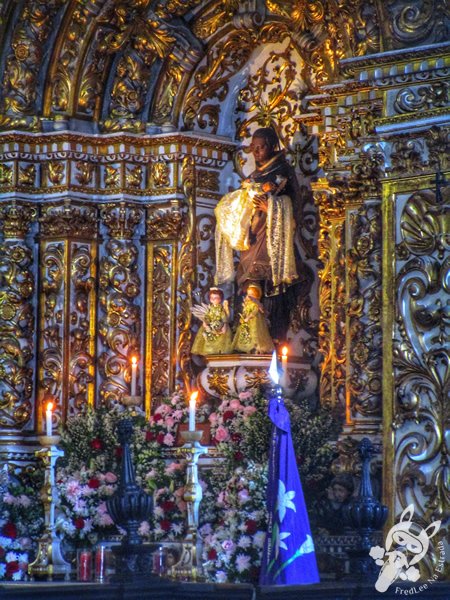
[[192, 403], [284, 358], [48, 418], [134, 361]]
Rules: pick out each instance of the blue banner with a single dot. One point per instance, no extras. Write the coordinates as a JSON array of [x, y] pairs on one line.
[[289, 557]]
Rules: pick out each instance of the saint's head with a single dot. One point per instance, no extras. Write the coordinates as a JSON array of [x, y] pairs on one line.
[[264, 145]]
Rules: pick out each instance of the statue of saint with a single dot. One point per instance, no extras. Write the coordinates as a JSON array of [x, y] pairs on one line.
[[259, 220]]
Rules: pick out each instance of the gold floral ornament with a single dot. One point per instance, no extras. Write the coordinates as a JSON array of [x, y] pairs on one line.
[[6, 173], [112, 177], [85, 172], [27, 175], [217, 378], [56, 171], [160, 173]]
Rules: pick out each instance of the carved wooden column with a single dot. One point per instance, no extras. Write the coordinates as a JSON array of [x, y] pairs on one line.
[[120, 312], [68, 249], [17, 318]]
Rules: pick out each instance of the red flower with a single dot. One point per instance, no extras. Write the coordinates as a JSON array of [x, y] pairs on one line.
[[165, 524], [93, 483], [9, 530], [150, 436], [2, 552], [96, 444], [251, 526], [118, 452], [157, 417], [12, 567], [236, 437], [168, 505], [160, 438], [78, 523], [212, 554], [228, 415], [238, 456]]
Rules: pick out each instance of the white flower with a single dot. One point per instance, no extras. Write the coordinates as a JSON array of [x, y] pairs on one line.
[[244, 541], [2, 570], [10, 557], [242, 562], [158, 512], [259, 539], [376, 552], [221, 576], [284, 500], [177, 528], [17, 576]]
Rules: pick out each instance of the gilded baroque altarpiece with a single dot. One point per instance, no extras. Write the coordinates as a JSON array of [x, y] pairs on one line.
[[122, 122]]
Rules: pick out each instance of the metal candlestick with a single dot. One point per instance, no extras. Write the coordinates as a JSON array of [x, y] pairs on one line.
[[49, 561], [188, 567]]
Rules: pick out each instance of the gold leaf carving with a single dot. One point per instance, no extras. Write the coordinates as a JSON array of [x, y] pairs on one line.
[[163, 224], [255, 377], [16, 330], [56, 172], [160, 174], [112, 176], [121, 219], [119, 323], [217, 378], [6, 173], [134, 176], [69, 220], [85, 172], [27, 175], [208, 180], [16, 219]]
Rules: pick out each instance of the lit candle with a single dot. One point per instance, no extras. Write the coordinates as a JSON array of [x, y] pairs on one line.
[[48, 418], [284, 358], [192, 402], [134, 362]]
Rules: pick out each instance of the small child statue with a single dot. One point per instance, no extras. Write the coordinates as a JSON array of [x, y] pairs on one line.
[[252, 334], [214, 335]]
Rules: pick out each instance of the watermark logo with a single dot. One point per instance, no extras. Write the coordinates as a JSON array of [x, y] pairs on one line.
[[406, 545]]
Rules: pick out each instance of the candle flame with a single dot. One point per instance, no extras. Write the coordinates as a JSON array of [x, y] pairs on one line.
[[49, 406], [134, 360], [284, 350], [194, 396], [273, 369]]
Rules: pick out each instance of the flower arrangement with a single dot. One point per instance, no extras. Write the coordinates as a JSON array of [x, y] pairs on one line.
[[234, 509], [233, 512], [21, 522]]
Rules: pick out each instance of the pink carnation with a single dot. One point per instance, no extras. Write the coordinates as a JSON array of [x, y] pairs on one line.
[[245, 395], [170, 422], [144, 528], [235, 404], [249, 410], [169, 439], [213, 418]]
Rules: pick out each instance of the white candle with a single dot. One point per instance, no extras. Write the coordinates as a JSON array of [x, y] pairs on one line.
[[48, 418], [133, 375], [284, 358], [192, 403]]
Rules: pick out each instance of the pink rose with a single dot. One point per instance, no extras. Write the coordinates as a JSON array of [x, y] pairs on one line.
[[235, 404], [245, 395], [110, 477], [249, 410], [221, 434], [170, 422]]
